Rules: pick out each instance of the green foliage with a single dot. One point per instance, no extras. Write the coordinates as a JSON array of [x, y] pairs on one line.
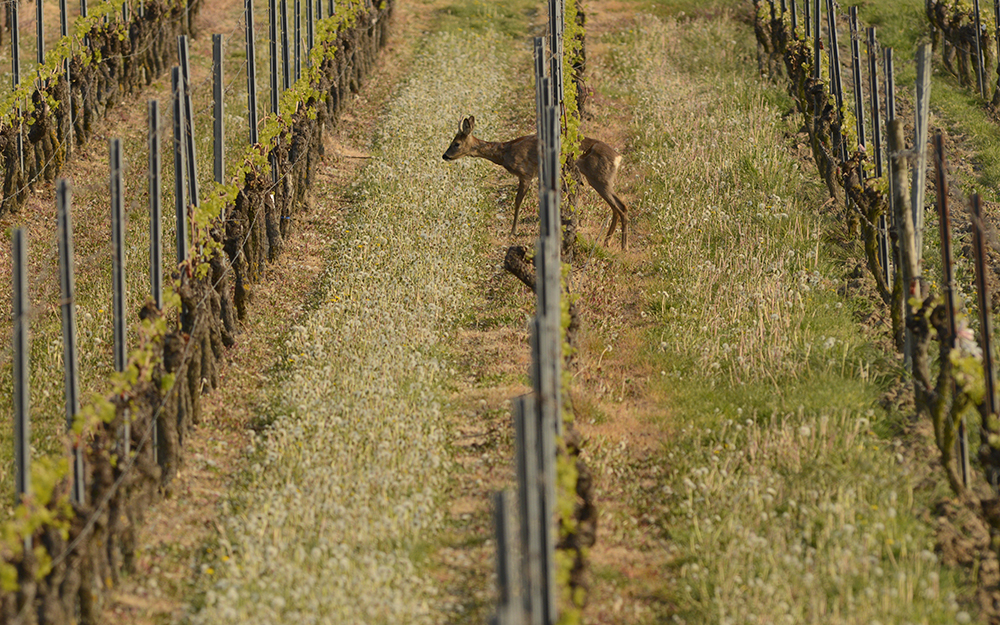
[[482, 16], [17, 105]]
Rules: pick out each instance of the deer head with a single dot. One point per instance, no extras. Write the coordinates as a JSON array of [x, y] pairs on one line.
[[462, 144]]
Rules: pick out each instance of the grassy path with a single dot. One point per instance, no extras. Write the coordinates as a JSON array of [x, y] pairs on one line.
[[777, 489], [345, 484]]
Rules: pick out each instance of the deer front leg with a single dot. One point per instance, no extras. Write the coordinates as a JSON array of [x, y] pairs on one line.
[[522, 188]]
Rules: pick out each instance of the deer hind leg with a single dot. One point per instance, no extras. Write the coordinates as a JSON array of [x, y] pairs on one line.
[[522, 188], [619, 212], [623, 210], [614, 224]]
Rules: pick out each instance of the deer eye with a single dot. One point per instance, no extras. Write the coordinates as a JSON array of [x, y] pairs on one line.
[[454, 145]]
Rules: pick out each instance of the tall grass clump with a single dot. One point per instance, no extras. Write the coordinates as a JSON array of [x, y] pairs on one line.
[[344, 489], [781, 502]]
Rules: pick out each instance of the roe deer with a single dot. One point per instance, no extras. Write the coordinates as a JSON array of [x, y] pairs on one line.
[[598, 164]]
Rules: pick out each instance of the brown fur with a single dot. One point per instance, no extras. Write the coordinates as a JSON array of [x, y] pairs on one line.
[[598, 164]]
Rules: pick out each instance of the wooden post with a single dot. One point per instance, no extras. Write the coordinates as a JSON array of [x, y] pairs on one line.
[[71, 376], [251, 75], [333, 8], [180, 187], [941, 179], [807, 18], [904, 225], [795, 20], [22, 370], [988, 408], [155, 206], [920, 147], [218, 144], [83, 8], [190, 155]]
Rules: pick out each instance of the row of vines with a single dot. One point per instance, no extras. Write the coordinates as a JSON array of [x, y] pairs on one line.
[[57, 558], [956, 385]]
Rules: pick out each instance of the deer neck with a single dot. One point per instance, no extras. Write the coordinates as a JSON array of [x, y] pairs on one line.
[[493, 151]]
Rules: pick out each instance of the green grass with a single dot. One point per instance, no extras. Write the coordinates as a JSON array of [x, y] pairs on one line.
[[783, 494], [510, 19]]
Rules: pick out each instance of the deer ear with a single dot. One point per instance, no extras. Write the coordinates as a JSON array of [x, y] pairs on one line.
[[467, 123], [472, 122]]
